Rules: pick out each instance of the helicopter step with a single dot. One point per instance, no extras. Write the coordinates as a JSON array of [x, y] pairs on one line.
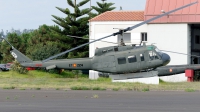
[[133, 75]]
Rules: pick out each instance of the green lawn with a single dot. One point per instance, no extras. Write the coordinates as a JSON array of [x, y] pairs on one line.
[[44, 80]]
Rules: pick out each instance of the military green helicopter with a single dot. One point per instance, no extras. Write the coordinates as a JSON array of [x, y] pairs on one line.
[[120, 59]]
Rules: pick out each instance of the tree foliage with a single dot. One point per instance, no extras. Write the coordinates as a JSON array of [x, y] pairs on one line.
[[44, 43], [40, 51], [103, 7], [76, 24], [50, 40], [18, 41]]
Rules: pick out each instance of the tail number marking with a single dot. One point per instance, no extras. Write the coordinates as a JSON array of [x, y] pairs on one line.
[[75, 65]]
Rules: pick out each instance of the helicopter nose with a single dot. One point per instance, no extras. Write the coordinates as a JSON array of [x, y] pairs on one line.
[[165, 59]]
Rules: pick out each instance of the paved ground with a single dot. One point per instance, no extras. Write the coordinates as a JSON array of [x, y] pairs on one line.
[[98, 101]]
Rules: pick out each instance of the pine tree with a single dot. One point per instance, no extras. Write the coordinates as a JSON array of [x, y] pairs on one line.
[[76, 24], [44, 43], [103, 7]]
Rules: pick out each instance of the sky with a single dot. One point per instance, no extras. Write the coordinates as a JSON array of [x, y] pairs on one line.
[[30, 14]]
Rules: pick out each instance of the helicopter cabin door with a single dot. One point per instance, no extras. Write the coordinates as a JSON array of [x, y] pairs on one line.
[[108, 63], [132, 62], [121, 63], [143, 60]]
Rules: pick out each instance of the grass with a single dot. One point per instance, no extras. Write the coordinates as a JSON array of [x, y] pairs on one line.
[[115, 89], [145, 89], [7, 98], [98, 88], [80, 88], [41, 80], [9, 87], [37, 88], [190, 90], [95, 96]]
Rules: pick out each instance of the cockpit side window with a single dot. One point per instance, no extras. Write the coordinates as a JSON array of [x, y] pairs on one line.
[[142, 57], [153, 55]]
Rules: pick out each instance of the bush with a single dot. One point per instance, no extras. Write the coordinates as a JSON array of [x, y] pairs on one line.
[[18, 68]]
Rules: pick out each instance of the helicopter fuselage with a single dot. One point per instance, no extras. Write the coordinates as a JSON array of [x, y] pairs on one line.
[[127, 59], [115, 59]]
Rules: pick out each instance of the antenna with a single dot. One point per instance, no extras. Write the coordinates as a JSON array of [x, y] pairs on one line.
[[120, 7]]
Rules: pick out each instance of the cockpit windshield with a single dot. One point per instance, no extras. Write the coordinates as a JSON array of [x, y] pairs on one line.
[[153, 55], [159, 52]]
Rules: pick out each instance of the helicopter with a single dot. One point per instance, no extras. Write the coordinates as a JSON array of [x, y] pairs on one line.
[[122, 59]]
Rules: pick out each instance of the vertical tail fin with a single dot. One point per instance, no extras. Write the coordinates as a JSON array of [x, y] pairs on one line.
[[21, 58]]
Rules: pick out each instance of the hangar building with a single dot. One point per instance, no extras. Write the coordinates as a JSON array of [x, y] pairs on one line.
[[177, 32]]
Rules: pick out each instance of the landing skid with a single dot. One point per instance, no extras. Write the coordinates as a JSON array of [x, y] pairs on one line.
[[133, 75]]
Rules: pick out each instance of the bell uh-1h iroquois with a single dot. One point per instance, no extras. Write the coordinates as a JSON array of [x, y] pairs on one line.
[[115, 60]]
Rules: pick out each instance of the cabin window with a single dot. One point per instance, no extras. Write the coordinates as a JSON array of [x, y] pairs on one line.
[[110, 50], [132, 59], [126, 38], [116, 48], [122, 60], [153, 55], [144, 36], [197, 39], [142, 57], [104, 51]]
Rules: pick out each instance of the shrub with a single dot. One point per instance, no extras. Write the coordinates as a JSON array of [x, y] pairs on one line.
[[18, 68]]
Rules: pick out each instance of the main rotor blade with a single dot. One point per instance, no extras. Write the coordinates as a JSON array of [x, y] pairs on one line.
[[125, 30], [91, 39], [179, 53], [74, 49]]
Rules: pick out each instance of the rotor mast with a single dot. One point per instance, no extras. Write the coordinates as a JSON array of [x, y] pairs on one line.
[[121, 33]]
